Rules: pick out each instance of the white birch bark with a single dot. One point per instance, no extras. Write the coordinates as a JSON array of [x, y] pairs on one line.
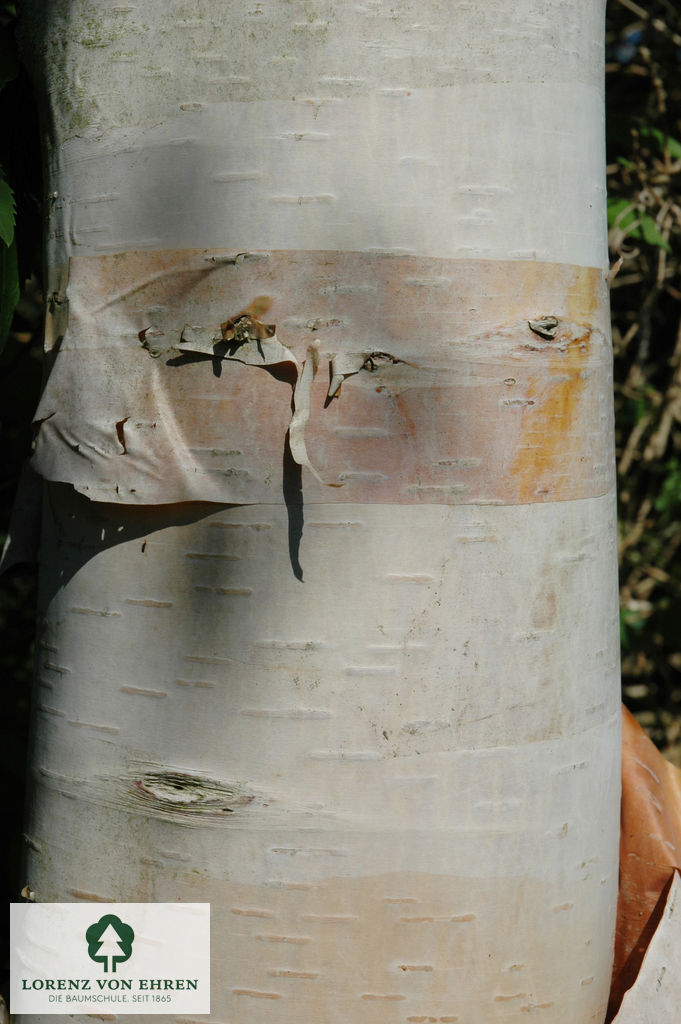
[[375, 725]]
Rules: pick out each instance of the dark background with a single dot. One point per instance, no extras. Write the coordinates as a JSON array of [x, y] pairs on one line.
[[643, 82], [643, 77]]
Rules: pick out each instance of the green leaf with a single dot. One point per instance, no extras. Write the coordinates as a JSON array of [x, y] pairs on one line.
[[623, 214], [7, 212], [616, 212], [664, 142], [9, 288], [651, 234], [641, 410], [627, 164], [669, 495]]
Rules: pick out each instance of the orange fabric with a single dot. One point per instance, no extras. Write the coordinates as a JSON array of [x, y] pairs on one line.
[[650, 848]]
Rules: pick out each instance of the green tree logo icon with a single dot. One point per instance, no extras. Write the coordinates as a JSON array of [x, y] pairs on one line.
[[109, 941]]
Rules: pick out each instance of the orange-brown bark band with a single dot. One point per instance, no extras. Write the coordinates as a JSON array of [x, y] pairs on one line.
[[492, 383]]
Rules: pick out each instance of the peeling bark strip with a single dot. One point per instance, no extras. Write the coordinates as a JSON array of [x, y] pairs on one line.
[[420, 396]]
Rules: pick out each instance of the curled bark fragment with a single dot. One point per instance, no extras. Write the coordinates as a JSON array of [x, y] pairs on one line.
[[246, 325], [345, 364], [656, 994], [242, 337], [145, 336], [247, 343], [250, 349], [558, 335], [233, 260], [614, 271], [650, 848], [301, 413], [544, 326]]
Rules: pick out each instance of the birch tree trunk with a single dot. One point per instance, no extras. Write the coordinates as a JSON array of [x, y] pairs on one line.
[[335, 652]]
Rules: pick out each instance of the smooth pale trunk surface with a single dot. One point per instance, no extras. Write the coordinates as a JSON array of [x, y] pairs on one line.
[[376, 839], [376, 726]]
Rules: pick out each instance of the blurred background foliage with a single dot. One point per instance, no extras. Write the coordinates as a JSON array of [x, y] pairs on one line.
[[643, 83], [643, 80]]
